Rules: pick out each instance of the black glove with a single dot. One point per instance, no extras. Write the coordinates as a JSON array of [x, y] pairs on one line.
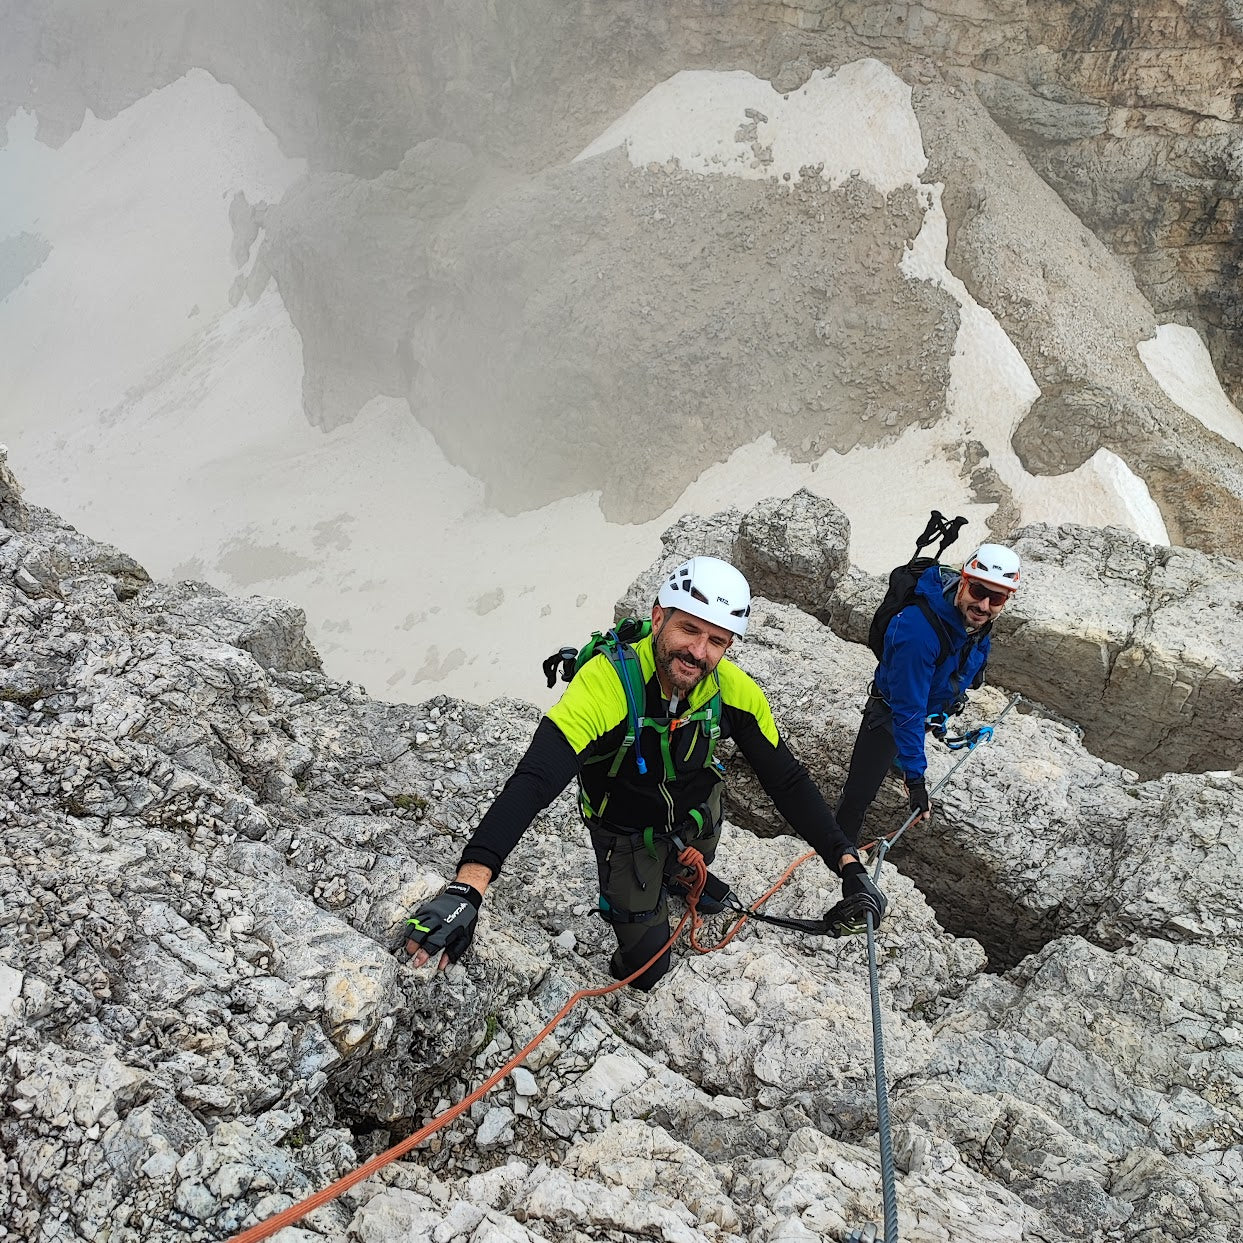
[[917, 794], [959, 705], [447, 922], [860, 896]]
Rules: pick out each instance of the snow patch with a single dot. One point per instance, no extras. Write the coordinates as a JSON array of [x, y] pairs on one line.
[[860, 121], [135, 211], [991, 389], [855, 121], [1179, 361], [151, 412]]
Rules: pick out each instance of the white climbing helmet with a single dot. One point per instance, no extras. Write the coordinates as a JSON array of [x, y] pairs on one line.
[[993, 564], [710, 589]]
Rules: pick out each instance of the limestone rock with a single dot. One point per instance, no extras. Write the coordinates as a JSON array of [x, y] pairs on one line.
[[1138, 644], [272, 631], [795, 551], [13, 512], [206, 863]]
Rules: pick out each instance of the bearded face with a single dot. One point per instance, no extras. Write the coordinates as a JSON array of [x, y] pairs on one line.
[[686, 649]]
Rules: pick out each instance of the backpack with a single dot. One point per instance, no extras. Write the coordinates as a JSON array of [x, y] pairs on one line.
[[615, 646], [901, 590]]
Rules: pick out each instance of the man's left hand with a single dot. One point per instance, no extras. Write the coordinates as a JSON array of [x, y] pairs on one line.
[[861, 897], [917, 797]]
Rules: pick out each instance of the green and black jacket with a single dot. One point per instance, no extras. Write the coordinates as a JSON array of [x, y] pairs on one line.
[[581, 735]]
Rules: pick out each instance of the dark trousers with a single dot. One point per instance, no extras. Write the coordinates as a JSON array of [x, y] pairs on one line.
[[872, 757], [633, 897]]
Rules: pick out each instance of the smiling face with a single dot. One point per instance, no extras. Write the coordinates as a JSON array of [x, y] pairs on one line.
[[686, 649], [979, 602]]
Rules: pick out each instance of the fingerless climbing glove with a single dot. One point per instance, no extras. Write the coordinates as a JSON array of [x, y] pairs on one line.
[[447, 922]]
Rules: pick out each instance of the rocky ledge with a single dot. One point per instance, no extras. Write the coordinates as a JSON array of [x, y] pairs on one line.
[[209, 846]]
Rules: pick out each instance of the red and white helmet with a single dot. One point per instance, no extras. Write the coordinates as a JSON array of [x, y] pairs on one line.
[[710, 589], [995, 565]]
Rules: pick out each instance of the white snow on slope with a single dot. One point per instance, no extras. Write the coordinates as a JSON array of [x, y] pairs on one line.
[[1179, 361], [150, 412], [136, 211], [857, 120], [990, 390], [860, 121]]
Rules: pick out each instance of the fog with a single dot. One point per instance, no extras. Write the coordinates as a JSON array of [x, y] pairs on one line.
[[411, 364]]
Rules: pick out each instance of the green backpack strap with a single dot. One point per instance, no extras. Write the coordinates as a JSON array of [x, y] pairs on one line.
[[614, 645], [713, 728], [707, 717], [624, 660]]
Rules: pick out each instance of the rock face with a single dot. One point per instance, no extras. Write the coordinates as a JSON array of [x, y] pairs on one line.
[[12, 508], [437, 302], [1067, 319], [206, 860], [1140, 645]]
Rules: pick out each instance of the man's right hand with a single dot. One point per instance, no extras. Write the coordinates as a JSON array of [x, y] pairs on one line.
[[917, 796], [445, 923]]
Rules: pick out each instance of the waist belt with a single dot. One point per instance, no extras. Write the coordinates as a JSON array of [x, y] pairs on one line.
[[699, 822]]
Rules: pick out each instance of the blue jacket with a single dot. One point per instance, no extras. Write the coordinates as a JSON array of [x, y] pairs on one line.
[[910, 680]]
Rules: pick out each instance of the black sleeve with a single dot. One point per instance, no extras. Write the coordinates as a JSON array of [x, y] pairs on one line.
[[542, 773], [795, 795]]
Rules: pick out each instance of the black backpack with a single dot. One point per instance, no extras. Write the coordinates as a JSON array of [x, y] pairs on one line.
[[901, 590]]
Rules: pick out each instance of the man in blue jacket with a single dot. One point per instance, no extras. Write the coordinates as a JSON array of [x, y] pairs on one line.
[[934, 650]]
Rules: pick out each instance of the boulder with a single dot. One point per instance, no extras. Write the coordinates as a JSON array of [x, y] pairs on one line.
[[795, 550], [272, 631], [1140, 644]]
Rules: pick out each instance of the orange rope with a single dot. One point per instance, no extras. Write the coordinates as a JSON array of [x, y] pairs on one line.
[[689, 857], [696, 919]]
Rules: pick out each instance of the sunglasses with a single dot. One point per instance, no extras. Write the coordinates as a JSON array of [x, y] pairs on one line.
[[977, 591]]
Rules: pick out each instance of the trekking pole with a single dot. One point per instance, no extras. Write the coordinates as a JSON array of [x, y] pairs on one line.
[[885, 844]]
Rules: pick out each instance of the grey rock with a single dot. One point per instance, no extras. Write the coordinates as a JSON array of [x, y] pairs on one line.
[[13, 512], [1025, 114], [205, 868], [795, 551], [1136, 644], [272, 631], [1140, 645]]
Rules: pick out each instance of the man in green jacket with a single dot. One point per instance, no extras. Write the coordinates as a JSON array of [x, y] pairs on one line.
[[641, 801]]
